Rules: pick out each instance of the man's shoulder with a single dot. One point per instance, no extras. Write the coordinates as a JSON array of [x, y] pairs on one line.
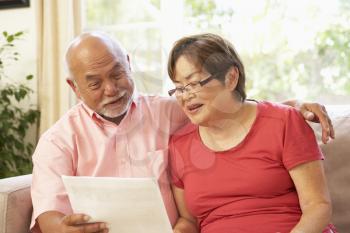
[[155, 100], [157, 104], [67, 122]]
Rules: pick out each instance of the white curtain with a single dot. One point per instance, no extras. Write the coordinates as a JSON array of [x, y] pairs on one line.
[[58, 22]]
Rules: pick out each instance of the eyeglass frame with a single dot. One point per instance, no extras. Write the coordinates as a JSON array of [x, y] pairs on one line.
[[183, 89]]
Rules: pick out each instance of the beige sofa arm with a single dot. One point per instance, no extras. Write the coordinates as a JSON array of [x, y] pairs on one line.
[[15, 204], [337, 165]]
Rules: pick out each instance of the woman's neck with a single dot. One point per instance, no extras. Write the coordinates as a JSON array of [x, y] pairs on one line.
[[231, 118], [228, 129]]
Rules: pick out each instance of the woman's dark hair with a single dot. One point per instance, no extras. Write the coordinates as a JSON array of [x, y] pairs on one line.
[[211, 52]]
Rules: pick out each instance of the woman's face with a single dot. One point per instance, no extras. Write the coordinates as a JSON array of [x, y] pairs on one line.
[[206, 103]]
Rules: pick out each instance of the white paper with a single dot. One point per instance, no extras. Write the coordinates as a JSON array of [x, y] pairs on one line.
[[128, 205]]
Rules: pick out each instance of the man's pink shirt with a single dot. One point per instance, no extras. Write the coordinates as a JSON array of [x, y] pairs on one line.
[[82, 143]]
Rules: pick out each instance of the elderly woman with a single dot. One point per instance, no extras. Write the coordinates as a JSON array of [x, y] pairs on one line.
[[241, 165]]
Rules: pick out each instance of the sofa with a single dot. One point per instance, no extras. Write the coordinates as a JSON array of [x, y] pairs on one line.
[[16, 206]]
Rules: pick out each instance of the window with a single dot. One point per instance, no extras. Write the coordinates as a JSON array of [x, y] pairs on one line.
[[290, 49]]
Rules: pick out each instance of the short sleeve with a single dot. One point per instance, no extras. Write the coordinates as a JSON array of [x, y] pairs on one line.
[[48, 193], [176, 165], [300, 145]]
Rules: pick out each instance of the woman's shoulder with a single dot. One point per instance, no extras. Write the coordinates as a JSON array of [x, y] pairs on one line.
[[276, 110], [185, 132]]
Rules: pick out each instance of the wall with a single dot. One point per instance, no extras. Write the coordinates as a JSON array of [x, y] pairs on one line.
[[22, 19]]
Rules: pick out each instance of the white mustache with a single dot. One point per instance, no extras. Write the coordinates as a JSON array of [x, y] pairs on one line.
[[110, 100]]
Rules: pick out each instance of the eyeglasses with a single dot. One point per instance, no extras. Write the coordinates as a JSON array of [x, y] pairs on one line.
[[192, 87]]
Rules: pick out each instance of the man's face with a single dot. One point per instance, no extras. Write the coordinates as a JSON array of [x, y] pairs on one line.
[[103, 82]]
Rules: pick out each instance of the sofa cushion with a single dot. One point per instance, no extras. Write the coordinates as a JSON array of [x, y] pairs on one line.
[[15, 204], [337, 165]]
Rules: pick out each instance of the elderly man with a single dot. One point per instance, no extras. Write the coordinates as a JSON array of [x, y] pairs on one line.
[[111, 132]]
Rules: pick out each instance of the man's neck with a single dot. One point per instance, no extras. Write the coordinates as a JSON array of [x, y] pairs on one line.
[[115, 120]]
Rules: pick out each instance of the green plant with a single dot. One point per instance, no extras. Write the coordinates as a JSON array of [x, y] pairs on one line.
[[15, 152]]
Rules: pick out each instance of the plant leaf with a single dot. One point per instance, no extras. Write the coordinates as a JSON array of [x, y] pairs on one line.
[[19, 34], [10, 38], [22, 93], [17, 96]]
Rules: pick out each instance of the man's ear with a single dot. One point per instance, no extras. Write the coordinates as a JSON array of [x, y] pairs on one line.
[[231, 78], [73, 86]]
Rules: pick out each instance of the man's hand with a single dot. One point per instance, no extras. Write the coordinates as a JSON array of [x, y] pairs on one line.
[[317, 113], [56, 222], [79, 223]]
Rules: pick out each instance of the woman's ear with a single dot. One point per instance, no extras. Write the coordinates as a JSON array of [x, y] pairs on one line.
[[231, 78]]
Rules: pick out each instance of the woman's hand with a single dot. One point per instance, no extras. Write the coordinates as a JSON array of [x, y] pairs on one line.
[[185, 226]]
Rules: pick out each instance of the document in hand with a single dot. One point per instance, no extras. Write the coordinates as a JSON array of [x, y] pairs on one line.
[[128, 205]]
